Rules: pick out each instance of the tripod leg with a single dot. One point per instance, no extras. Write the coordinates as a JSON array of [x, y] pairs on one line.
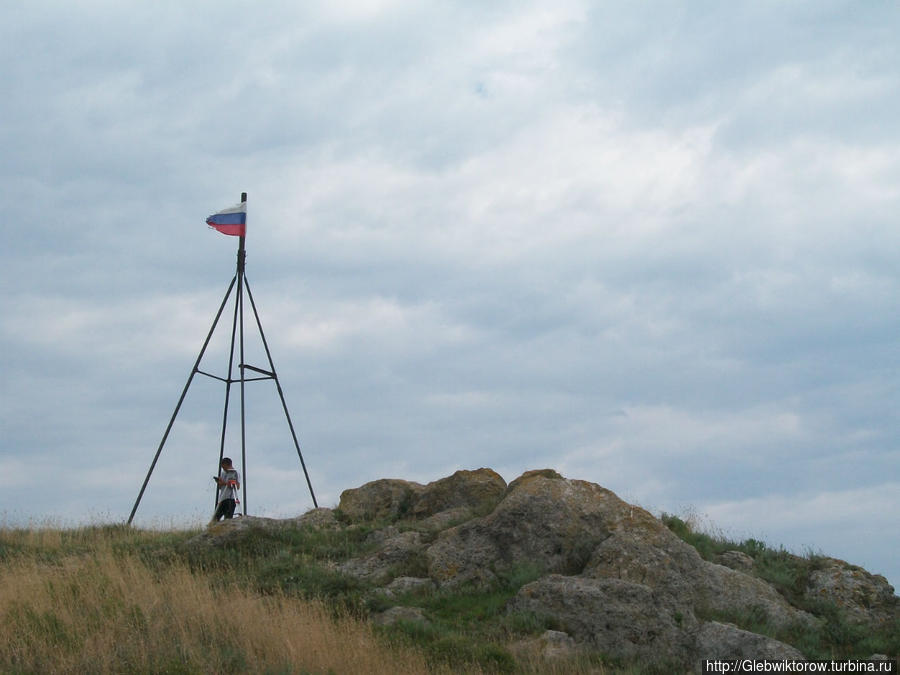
[[280, 393], [181, 400]]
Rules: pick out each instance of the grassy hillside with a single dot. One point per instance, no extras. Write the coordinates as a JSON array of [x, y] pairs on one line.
[[114, 599], [118, 599]]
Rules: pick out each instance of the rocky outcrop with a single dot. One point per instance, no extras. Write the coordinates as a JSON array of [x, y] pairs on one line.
[[409, 586], [736, 560], [385, 499], [726, 641], [463, 495], [320, 519], [394, 556], [477, 491], [619, 618], [234, 531], [573, 527], [542, 521], [673, 568], [864, 597], [609, 575]]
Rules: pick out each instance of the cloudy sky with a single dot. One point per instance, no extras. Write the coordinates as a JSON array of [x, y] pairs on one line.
[[650, 245]]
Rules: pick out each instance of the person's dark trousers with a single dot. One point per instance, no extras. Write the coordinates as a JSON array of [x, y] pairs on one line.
[[225, 509]]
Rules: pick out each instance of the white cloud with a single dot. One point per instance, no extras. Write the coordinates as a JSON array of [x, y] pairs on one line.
[[154, 326], [875, 505], [849, 524], [509, 235]]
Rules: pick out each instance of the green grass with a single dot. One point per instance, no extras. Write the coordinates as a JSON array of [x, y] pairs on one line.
[[470, 625]]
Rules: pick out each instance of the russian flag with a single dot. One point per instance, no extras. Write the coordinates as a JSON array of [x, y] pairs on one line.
[[231, 221]]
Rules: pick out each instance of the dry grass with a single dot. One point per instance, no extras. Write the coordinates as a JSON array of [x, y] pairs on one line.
[[102, 611]]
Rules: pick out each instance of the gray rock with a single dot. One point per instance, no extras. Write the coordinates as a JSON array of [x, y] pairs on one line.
[[647, 555], [865, 598], [551, 646], [394, 614], [721, 589], [391, 499], [233, 531], [659, 559], [388, 498], [407, 585], [478, 490], [619, 618], [726, 641], [394, 555], [543, 521], [379, 536], [556, 644], [446, 519], [573, 527], [736, 560], [321, 519]]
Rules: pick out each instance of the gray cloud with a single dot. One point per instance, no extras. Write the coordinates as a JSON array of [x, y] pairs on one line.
[[651, 247]]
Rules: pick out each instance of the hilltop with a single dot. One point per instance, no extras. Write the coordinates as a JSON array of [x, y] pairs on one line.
[[465, 574], [555, 570]]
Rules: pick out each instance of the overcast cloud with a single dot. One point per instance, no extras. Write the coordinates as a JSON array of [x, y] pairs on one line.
[[651, 245]]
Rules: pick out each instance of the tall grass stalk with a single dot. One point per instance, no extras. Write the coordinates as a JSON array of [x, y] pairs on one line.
[[103, 611]]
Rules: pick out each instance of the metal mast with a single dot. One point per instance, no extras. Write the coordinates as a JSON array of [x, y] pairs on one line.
[[237, 336]]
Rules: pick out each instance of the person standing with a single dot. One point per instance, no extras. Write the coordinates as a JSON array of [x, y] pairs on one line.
[[229, 482]]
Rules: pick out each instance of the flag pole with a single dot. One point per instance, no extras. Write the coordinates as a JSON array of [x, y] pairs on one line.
[[237, 333], [227, 226], [241, 260], [228, 382]]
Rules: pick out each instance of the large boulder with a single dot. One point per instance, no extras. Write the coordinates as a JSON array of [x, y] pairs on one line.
[[736, 560], [864, 598], [464, 494], [234, 531], [729, 592], [662, 561], [619, 618], [317, 519], [725, 641], [632, 621], [384, 499], [543, 521], [395, 556], [479, 491]]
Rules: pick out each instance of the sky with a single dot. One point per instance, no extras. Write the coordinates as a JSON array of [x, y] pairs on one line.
[[650, 245]]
